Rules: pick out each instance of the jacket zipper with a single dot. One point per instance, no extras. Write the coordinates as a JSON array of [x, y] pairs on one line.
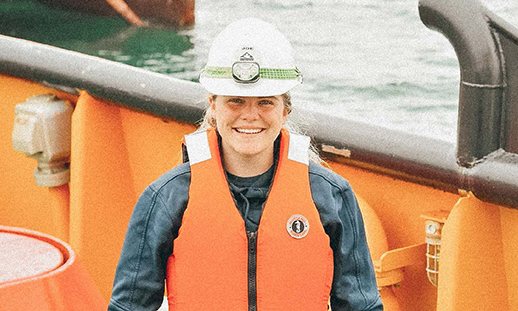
[[252, 270]]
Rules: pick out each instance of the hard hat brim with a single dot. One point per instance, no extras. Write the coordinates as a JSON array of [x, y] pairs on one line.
[[263, 87]]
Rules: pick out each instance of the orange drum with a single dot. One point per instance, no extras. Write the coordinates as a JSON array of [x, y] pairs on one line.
[[39, 272]]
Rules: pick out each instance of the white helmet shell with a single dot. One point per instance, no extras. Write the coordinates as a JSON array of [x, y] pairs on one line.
[[250, 57]]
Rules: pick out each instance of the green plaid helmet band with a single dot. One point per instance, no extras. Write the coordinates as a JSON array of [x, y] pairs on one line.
[[264, 73]]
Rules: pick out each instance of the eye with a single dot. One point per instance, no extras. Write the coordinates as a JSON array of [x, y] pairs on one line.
[[266, 102], [236, 100]]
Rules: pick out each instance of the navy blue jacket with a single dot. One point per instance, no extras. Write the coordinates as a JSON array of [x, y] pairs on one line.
[[139, 281]]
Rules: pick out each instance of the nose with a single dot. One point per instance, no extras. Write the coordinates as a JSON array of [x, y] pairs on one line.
[[250, 112]]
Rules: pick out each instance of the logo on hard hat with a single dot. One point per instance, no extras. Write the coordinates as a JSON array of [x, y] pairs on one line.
[[297, 226], [246, 57]]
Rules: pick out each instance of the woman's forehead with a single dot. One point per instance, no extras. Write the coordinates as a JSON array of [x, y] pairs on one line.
[[278, 97]]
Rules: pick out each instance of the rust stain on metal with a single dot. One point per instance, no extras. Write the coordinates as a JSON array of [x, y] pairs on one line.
[[331, 149]]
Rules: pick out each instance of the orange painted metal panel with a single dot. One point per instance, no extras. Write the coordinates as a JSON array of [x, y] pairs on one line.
[[154, 144], [377, 241], [59, 210], [472, 273], [509, 225], [22, 203], [115, 154], [374, 231], [399, 205]]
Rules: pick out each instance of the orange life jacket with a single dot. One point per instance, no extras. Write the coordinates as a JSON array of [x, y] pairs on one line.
[[217, 265]]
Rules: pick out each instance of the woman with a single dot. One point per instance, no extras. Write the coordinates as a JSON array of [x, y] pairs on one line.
[[251, 221]]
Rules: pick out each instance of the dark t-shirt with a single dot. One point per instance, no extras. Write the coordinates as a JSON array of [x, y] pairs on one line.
[[250, 194]]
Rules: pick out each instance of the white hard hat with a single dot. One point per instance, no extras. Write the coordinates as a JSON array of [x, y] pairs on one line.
[[250, 57]]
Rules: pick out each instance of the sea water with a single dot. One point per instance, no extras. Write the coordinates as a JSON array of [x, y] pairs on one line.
[[365, 60]]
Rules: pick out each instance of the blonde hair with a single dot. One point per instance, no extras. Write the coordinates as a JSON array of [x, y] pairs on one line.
[[208, 122]]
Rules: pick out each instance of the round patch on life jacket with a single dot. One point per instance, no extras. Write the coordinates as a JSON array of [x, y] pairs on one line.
[[297, 226]]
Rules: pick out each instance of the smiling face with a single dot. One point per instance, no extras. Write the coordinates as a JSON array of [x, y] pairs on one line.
[[248, 126]]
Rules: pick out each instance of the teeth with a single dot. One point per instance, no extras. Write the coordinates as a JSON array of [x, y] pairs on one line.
[[249, 131]]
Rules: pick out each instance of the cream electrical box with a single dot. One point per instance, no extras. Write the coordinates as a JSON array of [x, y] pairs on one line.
[[42, 130]]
